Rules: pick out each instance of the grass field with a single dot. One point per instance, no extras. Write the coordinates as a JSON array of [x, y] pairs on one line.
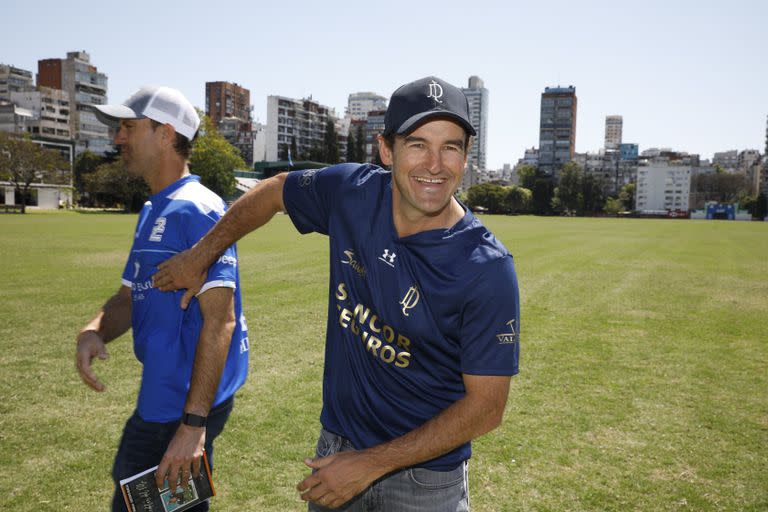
[[643, 384]]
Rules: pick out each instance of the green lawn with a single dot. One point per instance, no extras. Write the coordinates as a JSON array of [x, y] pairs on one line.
[[643, 384]]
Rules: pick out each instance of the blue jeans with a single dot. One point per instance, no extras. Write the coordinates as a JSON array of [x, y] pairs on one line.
[[409, 490], [144, 443]]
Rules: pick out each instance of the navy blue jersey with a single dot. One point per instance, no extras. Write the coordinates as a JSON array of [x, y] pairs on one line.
[[406, 316], [165, 336]]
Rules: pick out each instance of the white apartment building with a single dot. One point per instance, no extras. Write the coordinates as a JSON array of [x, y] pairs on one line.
[[303, 120], [360, 103], [13, 79], [662, 187], [50, 111]]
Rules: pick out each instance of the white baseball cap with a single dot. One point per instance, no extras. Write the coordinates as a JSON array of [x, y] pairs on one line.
[[162, 104]]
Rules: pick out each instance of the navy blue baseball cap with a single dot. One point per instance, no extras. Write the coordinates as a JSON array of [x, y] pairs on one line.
[[429, 98]]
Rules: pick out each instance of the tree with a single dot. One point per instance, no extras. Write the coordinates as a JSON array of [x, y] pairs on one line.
[[294, 154], [359, 144], [569, 195], [517, 199], [487, 195], [542, 192], [111, 185], [330, 144], [23, 162], [627, 196], [86, 163], [351, 148], [592, 192], [720, 186], [215, 160], [612, 206], [527, 175]]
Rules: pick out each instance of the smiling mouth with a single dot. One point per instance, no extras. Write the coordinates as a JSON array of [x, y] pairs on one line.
[[432, 181]]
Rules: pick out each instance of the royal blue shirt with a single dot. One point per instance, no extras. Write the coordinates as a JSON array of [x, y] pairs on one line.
[[165, 337], [406, 316]]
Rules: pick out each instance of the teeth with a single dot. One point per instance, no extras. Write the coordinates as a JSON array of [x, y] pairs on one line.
[[428, 180]]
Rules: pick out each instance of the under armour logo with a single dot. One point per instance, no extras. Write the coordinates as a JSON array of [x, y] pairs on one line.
[[388, 258], [410, 299], [435, 91]]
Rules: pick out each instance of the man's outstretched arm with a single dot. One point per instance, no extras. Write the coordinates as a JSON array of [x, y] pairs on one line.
[[253, 210]]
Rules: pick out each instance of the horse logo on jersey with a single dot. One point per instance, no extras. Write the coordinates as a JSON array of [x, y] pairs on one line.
[[435, 91], [507, 338], [410, 299], [388, 258]]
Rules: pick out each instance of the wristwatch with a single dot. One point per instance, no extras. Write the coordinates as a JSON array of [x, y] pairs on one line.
[[194, 420]]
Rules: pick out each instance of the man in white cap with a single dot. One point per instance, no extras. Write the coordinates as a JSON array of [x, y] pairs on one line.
[[195, 359]]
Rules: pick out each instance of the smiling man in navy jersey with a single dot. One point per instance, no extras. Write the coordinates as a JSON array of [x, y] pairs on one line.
[[423, 314], [193, 360]]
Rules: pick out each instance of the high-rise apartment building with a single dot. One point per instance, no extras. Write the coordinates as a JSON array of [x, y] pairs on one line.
[[13, 79], [227, 99], [663, 188], [288, 120], [229, 107], [557, 128], [50, 111], [477, 97], [360, 103], [728, 160], [86, 87], [613, 125]]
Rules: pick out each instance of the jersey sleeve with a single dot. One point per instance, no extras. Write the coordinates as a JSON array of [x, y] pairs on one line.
[[223, 272], [309, 195], [490, 331]]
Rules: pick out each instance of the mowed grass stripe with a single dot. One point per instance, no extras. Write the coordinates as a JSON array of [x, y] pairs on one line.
[[643, 384]]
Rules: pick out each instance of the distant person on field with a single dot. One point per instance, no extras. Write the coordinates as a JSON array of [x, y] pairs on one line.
[[423, 310], [194, 360]]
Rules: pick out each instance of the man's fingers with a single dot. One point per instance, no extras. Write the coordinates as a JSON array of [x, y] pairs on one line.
[[162, 471], [173, 477], [187, 298], [196, 464], [308, 483], [83, 365]]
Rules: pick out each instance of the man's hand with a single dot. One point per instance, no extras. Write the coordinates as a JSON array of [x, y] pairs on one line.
[[338, 478], [90, 345], [182, 271], [182, 457]]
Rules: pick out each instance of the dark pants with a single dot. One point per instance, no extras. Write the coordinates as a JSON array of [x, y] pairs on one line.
[[144, 443]]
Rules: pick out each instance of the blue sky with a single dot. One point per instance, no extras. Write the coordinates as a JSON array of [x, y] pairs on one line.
[[691, 75]]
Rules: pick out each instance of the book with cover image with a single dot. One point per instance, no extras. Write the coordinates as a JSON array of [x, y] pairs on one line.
[[142, 495]]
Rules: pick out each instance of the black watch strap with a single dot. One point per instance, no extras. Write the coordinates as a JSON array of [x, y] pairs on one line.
[[194, 420]]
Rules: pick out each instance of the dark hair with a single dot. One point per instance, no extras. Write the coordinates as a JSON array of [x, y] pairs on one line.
[[181, 144]]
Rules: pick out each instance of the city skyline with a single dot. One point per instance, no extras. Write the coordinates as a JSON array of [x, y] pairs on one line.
[[685, 76]]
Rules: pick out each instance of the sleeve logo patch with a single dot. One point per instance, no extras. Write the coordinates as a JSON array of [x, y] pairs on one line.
[[307, 177], [507, 338]]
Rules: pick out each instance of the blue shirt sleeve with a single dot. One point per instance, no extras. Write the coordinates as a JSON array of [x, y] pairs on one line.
[[223, 272], [490, 331], [309, 196]]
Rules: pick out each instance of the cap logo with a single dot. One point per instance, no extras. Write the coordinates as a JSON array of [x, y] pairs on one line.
[[435, 91]]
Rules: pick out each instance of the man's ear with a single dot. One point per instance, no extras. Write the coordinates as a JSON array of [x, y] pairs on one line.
[[168, 134], [385, 152]]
